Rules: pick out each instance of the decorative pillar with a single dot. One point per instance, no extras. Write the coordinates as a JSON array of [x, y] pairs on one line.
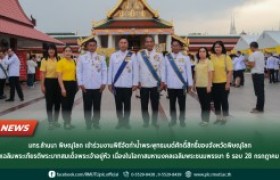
[[110, 41], [156, 39], [98, 39], [168, 43]]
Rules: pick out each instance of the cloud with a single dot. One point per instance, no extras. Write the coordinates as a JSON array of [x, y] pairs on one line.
[[258, 15]]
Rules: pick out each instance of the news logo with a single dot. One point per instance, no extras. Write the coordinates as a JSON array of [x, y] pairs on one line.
[[52, 174], [17, 128], [126, 174], [188, 174]]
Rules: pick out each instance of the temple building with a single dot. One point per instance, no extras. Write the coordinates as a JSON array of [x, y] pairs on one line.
[[133, 19], [18, 29]]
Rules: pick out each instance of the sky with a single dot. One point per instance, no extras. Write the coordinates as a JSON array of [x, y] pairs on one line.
[[189, 16]]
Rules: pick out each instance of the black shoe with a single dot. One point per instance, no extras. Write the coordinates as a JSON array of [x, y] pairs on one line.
[[119, 126], [56, 124], [127, 126], [10, 100], [182, 124], [172, 124], [155, 125], [96, 126], [217, 122], [3, 97], [68, 127], [145, 125], [21, 99]]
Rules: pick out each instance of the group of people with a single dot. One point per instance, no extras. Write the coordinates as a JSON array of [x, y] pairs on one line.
[[272, 67], [9, 69], [149, 71], [239, 68]]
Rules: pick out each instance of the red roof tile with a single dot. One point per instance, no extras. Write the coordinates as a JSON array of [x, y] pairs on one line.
[[12, 9], [14, 29], [14, 22]]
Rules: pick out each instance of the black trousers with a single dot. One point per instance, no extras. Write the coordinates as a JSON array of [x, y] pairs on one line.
[[258, 81], [174, 95], [30, 79], [15, 86], [220, 97], [237, 74], [92, 101], [149, 94], [2, 86], [53, 99], [204, 100], [67, 102], [242, 79], [123, 104], [276, 71], [271, 76]]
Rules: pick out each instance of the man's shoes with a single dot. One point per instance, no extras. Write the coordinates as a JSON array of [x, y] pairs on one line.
[[96, 126], [22, 99], [256, 111], [68, 127], [155, 125], [127, 126], [57, 125], [145, 125], [224, 120], [51, 127], [172, 124], [182, 124], [204, 124], [3, 97], [118, 127], [219, 119], [10, 100]]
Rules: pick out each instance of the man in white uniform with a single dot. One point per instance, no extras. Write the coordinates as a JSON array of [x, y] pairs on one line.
[[152, 79], [123, 79], [3, 71], [92, 80], [13, 64], [178, 80]]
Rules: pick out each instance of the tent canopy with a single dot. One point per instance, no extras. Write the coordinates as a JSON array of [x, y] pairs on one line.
[[244, 42], [269, 39]]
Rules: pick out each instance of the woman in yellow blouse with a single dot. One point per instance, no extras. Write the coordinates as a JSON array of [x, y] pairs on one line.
[[203, 83], [66, 71], [223, 68], [50, 87]]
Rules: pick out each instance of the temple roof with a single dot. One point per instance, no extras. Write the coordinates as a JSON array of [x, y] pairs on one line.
[[132, 4], [128, 24], [14, 22]]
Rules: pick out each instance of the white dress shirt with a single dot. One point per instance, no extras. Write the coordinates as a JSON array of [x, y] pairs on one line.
[[270, 62], [31, 66], [238, 63], [184, 64], [145, 76], [3, 74], [242, 62], [258, 58], [276, 63], [130, 74], [91, 71], [14, 66]]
